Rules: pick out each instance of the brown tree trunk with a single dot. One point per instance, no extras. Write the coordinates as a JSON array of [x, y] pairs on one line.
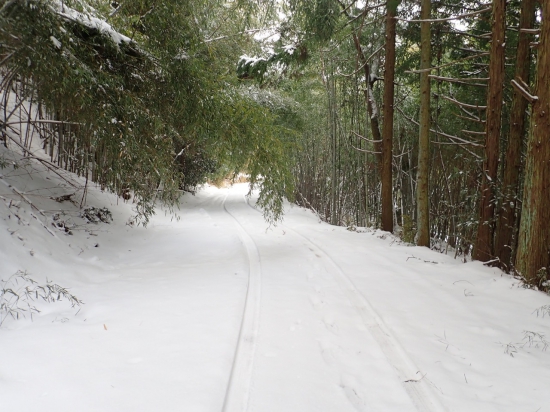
[[334, 141], [387, 130], [422, 190], [533, 256], [484, 242], [506, 224]]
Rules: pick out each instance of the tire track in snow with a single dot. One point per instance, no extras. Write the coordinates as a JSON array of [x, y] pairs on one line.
[[422, 395], [238, 389]]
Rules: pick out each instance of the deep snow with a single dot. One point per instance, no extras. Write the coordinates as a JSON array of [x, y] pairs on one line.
[[334, 320]]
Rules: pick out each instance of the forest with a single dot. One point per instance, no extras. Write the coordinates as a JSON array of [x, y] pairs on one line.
[[428, 119]]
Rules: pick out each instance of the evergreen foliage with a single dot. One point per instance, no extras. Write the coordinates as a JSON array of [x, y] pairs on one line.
[[318, 18]]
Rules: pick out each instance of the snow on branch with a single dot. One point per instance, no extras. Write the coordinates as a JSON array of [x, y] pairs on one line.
[[529, 31], [522, 88], [89, 21], [446, 18], [251, 31]]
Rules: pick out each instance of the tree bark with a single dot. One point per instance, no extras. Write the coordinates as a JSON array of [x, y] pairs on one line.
[[331, 91], [484, 242], [506, 225], [372, 109], [533, 256], [422, 177], [387, 130]]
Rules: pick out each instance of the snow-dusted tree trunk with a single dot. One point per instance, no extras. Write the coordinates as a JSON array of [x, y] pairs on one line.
[[484, 243], [372, 108], [506, 225], [387, 129], [423, 173], [533, 256]]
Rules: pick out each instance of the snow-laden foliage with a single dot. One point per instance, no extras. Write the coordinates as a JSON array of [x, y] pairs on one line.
[[144, 88]]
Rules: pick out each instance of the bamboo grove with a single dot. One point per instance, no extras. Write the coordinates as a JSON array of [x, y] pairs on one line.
[[137, 96]]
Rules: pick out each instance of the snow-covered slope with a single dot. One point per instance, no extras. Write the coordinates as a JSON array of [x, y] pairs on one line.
[[212, 312]]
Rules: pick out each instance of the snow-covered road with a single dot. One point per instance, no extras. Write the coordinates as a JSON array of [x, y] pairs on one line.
[[215, 312], [320, 344]]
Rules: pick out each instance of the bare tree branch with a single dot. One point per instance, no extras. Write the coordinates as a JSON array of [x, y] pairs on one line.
[[522, 90], [447, 64], [447, 18], [365, 139], [465, 81], [469, 106]]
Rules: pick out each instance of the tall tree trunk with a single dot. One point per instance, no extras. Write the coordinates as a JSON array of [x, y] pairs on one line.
[[484, 242], [372, 108], [387, 130], [506, 224], [423, 173], [331, 86], [533, 256]]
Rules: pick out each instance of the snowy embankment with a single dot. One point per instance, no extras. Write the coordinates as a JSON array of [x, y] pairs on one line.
[[212, 312]]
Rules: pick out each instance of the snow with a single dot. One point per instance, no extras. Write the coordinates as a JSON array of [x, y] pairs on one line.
[[216, 312], [182, 55], [248, 60], [55, 42], [90, 21], [289, 49]]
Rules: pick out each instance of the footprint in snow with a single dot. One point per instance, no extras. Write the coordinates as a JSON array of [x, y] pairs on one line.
[[327, 353], [350, 388], [316, 302], [331, 325]]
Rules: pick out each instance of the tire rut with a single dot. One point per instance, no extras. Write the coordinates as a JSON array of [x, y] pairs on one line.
[[422, 395], [238, 389]]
